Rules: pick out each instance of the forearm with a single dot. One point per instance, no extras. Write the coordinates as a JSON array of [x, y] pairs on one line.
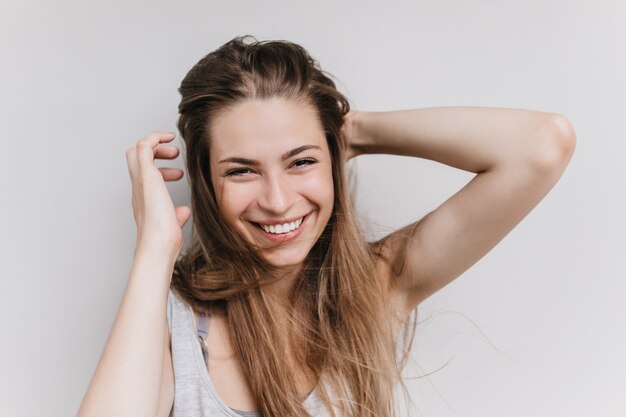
[[127, 379], [474, 139]]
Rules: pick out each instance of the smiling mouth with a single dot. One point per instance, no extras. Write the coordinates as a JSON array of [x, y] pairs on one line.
[[281, 229]]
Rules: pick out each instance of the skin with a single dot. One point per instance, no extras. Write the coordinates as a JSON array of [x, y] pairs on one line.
[[272, 189], [517, 156]]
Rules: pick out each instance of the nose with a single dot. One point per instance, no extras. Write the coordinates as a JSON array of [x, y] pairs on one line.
[[277, 195]]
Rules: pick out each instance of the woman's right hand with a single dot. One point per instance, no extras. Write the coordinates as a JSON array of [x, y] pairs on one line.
[[159, 223]]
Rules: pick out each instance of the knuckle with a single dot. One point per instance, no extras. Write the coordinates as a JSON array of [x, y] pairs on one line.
[[145, 141]]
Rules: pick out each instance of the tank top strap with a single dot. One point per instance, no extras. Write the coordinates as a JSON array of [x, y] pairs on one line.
[[203, 332], [203, 326]]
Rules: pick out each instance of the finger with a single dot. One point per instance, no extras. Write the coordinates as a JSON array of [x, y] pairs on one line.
[[171, 174], [146, 148], [154, 138], [166, 152]]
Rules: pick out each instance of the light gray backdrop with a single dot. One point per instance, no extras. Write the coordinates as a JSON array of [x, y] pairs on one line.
[[536, 328]]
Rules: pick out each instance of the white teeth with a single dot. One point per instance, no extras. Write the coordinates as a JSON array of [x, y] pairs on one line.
[[282, 228]]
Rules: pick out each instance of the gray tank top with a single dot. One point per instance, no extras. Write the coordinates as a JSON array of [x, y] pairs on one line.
[[194, 393]]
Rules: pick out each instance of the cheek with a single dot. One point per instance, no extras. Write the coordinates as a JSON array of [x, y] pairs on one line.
[[233, 199], [329, 185], [320, 190]]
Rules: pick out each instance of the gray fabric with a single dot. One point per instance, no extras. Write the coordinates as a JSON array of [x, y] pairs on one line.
[[194, 393]]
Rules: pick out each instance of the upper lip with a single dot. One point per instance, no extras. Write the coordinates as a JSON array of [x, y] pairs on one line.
[[283, 221]]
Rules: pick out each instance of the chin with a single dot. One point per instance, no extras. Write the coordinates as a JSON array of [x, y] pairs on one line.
[[283, 259]]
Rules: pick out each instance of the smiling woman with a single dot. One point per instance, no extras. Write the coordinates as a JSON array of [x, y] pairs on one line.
[[305, 314], [281, 174], [278, 254]]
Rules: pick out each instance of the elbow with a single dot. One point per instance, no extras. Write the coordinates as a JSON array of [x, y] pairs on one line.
[[556, 145], [564, 136]]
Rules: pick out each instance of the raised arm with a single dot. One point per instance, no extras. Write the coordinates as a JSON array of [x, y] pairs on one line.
[[128, 378], [517, 155]]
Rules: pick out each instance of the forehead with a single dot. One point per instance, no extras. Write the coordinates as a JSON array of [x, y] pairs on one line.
[[256, 128]]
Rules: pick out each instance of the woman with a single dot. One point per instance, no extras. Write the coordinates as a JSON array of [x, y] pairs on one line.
[[305, 314]]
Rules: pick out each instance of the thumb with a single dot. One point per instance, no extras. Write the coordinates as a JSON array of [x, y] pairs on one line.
[[182, 215]]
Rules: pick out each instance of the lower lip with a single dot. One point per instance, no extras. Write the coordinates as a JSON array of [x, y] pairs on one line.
[[284, 237]]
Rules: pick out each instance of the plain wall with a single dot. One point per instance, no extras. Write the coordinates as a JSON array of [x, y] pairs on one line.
[[535, 328]]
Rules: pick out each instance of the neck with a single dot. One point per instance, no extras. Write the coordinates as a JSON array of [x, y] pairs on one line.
[[282, 285]]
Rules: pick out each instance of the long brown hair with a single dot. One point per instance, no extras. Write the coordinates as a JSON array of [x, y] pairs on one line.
[[339, 317]]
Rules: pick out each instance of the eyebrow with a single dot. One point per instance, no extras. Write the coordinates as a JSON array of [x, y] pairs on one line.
[[285, 156]]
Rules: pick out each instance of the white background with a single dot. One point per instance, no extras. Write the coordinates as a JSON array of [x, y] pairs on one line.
[[535, 328]]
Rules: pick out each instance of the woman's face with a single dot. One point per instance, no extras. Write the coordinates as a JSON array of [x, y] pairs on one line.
[[272, 175]]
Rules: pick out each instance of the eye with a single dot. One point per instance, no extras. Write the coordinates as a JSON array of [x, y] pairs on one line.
[[237, 172], [304, 162]]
